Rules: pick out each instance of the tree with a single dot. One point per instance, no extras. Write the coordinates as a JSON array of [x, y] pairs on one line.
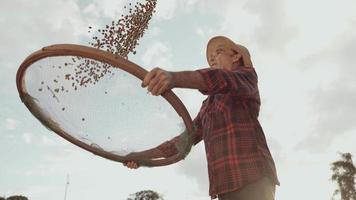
[[145, 195], [344, 174], [17, 197]]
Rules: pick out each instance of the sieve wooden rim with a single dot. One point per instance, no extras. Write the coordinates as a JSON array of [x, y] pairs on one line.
[[115, 61]]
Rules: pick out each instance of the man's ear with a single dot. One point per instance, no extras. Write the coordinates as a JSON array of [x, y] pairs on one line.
[[236, 57]]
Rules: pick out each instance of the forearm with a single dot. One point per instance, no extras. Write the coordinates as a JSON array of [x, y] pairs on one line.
[[188, 79], [168, 148]]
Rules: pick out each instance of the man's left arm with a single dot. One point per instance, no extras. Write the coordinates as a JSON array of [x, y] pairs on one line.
[[208, 81], [158, 80]]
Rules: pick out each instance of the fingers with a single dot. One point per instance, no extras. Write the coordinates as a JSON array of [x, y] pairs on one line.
[[131, 165], [150, 75], [158, 81], [153, 84], [160, 87]]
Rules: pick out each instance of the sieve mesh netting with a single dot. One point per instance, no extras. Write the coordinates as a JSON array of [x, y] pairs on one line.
[[100, 105]]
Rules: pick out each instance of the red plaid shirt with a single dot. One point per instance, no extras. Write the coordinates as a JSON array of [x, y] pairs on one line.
[[235, 145]]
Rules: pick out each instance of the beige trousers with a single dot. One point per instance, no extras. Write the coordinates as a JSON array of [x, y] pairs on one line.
[[262, 189]]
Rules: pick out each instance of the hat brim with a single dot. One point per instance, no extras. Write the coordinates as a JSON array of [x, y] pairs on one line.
[[222, 40]]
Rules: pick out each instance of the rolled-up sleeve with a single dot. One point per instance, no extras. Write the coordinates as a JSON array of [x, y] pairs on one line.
[[168, 148], [241, 82], [198, 132]]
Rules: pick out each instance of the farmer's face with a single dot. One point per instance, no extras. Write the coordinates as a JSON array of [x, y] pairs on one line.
[[223, 58]]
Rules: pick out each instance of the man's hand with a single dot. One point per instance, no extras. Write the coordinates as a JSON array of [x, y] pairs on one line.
[[158, 81], [153, 153], [131, 165]]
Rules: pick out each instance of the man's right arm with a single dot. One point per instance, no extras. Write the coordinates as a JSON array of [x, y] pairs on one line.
[[168, 148], [158, 80]]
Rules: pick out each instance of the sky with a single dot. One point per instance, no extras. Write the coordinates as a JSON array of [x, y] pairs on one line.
[[303, 52]]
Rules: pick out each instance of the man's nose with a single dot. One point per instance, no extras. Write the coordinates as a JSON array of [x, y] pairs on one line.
[[212, 59]]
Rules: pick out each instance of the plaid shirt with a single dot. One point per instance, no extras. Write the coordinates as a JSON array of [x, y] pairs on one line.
[[235, 145]]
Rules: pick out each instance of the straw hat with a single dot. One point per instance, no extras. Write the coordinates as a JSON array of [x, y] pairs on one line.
[[222, 40]]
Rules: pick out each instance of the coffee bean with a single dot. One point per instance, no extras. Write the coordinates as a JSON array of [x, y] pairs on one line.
[[119, 37]]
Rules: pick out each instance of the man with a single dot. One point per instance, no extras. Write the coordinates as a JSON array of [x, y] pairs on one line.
[[240, 165]]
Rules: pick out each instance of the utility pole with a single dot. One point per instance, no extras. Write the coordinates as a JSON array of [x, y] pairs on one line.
[[67, 184]]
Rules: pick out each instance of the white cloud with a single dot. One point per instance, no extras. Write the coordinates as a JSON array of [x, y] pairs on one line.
[[158, 55], [166, 9], [48, 141], [195, 168], [256, 23], [27, 137], [108, 8], [304, 176], [206, 32], [192, 99], [11, 138], [11, 124], [23, 33], [27, 27], [153, 31], [199, 31], [273, 30], [333, 101], [92, 10], [318, 26]]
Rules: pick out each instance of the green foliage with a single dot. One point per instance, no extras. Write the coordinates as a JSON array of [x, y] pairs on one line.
[[344, 174], [145, 195]]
